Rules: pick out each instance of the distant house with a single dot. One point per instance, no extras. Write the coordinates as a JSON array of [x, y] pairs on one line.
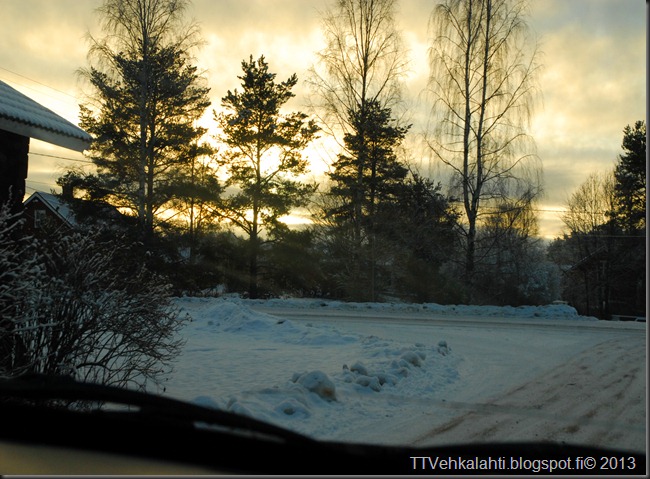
[[45, 213], [21, 118]]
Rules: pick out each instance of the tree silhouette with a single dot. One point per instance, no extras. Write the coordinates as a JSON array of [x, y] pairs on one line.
[[367, 175], [482, 82], [145, 101], [363, 61], [264, 157], [629, 208]]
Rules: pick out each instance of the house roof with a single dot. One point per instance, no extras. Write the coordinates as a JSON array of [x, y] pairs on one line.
[[55, 205], [21, 115]]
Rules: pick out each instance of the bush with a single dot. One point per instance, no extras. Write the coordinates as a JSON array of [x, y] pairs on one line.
[[83, 311]]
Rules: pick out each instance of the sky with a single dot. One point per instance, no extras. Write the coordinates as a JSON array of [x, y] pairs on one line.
[[593, 81]]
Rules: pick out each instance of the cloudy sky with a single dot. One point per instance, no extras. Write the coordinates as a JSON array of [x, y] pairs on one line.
[[593, 82]]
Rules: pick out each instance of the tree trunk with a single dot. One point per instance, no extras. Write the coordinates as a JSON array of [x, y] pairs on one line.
[[358, 209], [142, 173], [468, 200], [252, 265]]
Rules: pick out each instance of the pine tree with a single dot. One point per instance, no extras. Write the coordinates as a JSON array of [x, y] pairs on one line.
[[264, 157], [630, 174], [365, 176], [368, 172], [420, 227], [627, 271], [147, 98]]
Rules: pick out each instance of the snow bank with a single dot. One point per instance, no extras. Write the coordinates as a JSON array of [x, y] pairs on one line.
[[227, 315], [379, 382], [551, 311], [309, 378]]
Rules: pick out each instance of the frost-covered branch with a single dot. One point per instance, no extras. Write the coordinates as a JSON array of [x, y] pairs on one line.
[[73, 305]]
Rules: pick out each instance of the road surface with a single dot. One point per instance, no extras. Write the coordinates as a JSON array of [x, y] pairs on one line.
[[582, 382]]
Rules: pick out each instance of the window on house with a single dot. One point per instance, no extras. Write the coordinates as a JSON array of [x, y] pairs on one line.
[[40, 216]]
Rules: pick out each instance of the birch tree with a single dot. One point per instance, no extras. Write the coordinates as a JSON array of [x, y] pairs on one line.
[[358, 73], [482, 83], [362, 62]]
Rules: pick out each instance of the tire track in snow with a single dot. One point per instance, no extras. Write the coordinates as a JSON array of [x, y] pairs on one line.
[[596, 398]]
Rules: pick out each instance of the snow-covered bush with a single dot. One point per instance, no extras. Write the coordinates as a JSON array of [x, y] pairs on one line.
[[19, 265], [542, 282], [84, 311]]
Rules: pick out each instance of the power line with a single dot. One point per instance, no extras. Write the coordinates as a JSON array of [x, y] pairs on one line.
[[62, 157], [497, 209], [50, 185], [542, 210], [587, 235], [36, 81], [547, 211]]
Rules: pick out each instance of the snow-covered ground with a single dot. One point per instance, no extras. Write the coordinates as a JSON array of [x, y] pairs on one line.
[[377, 372]]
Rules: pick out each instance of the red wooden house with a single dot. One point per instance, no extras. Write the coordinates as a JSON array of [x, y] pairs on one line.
[[45, 213]]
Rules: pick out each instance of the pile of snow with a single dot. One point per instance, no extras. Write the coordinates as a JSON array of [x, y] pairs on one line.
[[550, 311], [314, 379], [225, 315], [310, 378]]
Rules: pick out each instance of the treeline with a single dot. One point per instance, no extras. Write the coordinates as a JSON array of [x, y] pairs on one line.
[[209, 212], [603, 255]]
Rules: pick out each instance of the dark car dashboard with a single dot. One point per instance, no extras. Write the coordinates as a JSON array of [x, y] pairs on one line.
[[54, 426]]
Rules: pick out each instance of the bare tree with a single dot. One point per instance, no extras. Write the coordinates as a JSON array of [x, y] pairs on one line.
[[362, 62], [588, 206], [482, 82], [358, 72], [19, 265], [590, 240], [507, 252]]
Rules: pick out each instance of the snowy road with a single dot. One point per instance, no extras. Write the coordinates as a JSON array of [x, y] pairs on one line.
[[383, 373], [538, 379], [596, 397]]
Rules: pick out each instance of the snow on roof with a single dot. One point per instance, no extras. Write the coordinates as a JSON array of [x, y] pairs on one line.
[[21, 115], [57, 206]]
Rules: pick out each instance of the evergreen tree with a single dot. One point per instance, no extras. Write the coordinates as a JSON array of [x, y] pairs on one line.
[[628, 220], [630, 188], [604, 254], [368, 172], [264, 157], [366, 176], [147, 98], [420, 227]]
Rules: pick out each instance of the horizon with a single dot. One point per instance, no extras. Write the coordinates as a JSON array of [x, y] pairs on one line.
[[593, 78]]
